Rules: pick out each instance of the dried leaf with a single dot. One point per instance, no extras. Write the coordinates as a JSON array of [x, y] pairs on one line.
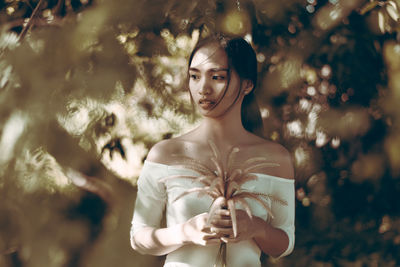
[[381, 21], [235, 173], [196, 169], [269, 196], [231, 157], [232, 188], [218, 203], [368, 7], [252, 160], [214, 149], [218, 165], [391, 9], [246, 177], [205, 179], [245, 206], [195, 165], [232, 209], [163, 180], [217, 185], [254, 197], [261, 165], [192, 190]]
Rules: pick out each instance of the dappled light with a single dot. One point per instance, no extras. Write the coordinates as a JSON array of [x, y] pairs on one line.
[[88, 87]]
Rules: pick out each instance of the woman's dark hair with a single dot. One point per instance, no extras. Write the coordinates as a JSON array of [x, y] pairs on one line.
[[241, 58]]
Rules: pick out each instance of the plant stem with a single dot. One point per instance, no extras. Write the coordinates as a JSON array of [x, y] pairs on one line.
[[220, 261], [30, 21]]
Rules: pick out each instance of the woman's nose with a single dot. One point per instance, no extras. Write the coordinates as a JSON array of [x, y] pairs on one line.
[[205, 88]]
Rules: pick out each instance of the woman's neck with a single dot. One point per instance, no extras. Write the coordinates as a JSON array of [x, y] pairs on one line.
[[225, 130]]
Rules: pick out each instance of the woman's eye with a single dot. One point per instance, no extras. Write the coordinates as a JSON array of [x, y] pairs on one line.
[[218, 77], [194, 77]]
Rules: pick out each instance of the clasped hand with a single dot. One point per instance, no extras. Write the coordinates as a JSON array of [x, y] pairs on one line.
[[196, 231]]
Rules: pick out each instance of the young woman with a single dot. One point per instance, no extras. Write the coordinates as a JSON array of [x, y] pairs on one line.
[[222, 76]]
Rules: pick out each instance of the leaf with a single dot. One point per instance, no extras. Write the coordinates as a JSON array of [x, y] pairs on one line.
[[391, 9], [240, 180], [381, 21], [253, 160], [272, 198], [192, 190], [195, 165], [261, 165], [217, 186], [245, 205], [217, 203], [162, 180], [231, 157], [205, 179], [256, 198], [188, 160], [214, 149], [220, 171], [232, 188], [195, 169], [231, 207], [368, 7], [235, 173]]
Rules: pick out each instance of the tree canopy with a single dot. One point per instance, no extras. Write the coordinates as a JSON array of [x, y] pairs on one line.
[[88, 86]]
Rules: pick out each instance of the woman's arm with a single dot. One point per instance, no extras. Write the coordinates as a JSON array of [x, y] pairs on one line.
[[272, 241], [149, 240]]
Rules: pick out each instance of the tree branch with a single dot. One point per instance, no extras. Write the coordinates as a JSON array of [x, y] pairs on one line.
[[30, 21]]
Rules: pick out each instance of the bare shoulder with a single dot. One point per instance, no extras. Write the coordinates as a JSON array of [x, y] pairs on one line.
[[279, 154], [161, 151]]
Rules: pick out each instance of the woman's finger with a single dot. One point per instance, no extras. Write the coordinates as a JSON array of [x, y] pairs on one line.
[[222, 231], [222, 213], [229, 239], [210, 237], [221, 223]]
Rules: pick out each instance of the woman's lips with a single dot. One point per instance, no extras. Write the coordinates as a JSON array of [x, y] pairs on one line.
[[206, 103]]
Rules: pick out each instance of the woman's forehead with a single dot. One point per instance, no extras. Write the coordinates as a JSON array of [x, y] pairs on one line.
[[211, 55]]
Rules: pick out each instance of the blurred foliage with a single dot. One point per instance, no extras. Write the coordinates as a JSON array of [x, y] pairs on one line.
[[88, 86]]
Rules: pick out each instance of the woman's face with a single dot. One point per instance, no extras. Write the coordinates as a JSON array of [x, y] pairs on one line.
[[208, 79]]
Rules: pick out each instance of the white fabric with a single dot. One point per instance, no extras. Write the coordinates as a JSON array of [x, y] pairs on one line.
[[154, 197]]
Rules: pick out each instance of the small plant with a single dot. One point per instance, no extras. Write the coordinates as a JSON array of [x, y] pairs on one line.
[[224, 186]]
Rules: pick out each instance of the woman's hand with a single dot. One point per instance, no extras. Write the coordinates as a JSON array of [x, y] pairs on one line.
[[247, 228], [195, 231]]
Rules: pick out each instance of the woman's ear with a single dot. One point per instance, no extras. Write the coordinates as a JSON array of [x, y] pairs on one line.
[[247, 86]]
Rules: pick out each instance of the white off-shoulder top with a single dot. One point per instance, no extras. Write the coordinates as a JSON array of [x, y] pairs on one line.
[[154, 198]]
